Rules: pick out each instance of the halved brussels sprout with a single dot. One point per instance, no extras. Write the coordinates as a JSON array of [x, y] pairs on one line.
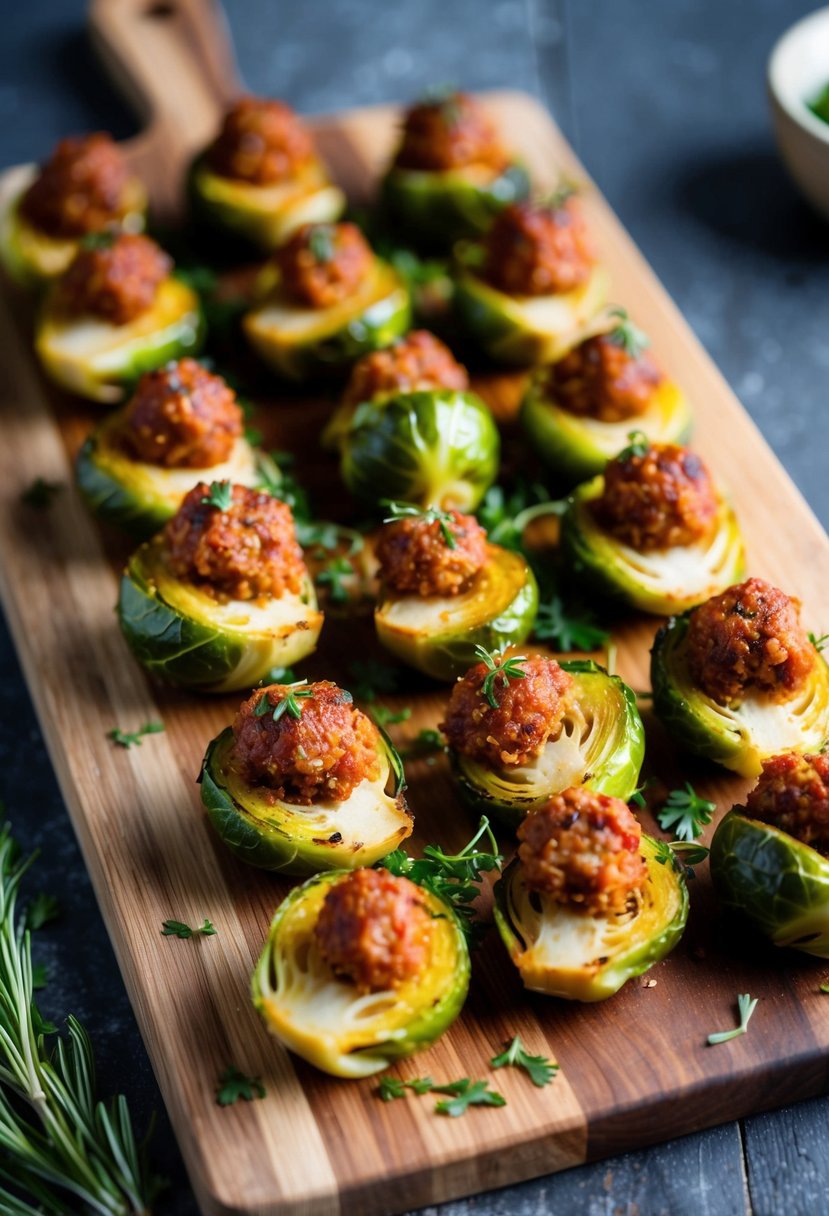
[[525, 330], [564, 952], [739, 736], [325, 1020], [433, 448], [140, 497], [97, 360], [264, 215], [301, 342], [780, 884], [300, 840], [186, 636], [578, 448], [438, 207], [33, 258], [661, 582], [438, 634], [601, 746]]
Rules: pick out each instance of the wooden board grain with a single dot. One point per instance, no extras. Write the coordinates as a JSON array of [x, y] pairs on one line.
[[633, 1071]]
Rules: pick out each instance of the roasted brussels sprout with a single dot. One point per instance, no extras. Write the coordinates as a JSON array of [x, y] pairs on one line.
[[328, 1020], [434, 448], [600, 744]]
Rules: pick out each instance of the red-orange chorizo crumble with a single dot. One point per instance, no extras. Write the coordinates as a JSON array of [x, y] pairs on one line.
[[182, 416], [116, 281], [450, 132], [261, 141], [416, 559], [417, 361], [599, 379], [533, 250], [793, 795], [81, 188], [322, 264]]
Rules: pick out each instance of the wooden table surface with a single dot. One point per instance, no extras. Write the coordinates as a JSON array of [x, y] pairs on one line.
[[665, 106]]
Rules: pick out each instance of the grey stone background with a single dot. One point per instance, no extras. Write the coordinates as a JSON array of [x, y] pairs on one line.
[[665, 105]]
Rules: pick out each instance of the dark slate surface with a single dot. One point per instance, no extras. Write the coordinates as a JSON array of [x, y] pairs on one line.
[[664, 104]]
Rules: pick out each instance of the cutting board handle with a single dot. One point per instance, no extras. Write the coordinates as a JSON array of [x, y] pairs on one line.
[[174, 61]]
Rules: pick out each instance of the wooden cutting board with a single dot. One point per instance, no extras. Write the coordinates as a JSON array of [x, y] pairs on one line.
[[634, 1070]]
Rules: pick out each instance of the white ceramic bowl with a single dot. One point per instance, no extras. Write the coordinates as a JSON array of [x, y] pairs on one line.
[[797, 73]]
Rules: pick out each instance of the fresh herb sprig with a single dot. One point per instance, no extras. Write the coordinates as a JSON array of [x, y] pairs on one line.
[[638, 445], [819, 643], [289, 704], [506, 516], [177, 928], [219, 496], [630, 337], [426, 743], [685, 813], [321, 243], [133, 738], [539, 1069], [333, 576], [568, 629], [430, 515], [746, 1005], [369, 677], [683, 855], [500, 671], [392, 1088], [234, 1084], [41, 493], [466, 1093]]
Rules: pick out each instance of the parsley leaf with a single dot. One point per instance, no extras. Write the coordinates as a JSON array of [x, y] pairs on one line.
[[332, 576], [41, 494], [122, 738], [567, 630], [638, 445], [321, 243], [220, 496], [746, 1005], [466, 1093], [234, 1085], [685, 813], [176, 928], [391, 1088], [632, 340], [42, 909], [540, 1070]]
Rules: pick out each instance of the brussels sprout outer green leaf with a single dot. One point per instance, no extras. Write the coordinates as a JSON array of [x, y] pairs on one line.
[[778, 883], [139, 497], [433, 448], [661, 582], [578, 448], [739, 737], [299, 840], [525, 330], [323, 1019], [185, 637], [97, 360], [563, 952], [307, 343], [439, 636], [601, 746], [440, 207], [262, 216]]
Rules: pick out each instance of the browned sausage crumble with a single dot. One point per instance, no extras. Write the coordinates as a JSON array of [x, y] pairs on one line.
[[582, 848], [418, 361], [599, 379], [374, 929], [321, 756], [261, 141], [322, 264], [116, 281], [182, 417], [449, 132], [529, 714], [749, 639], [793, 795], [533, 250], [244, 552], [415, 558], [659, 500], [81, 188]]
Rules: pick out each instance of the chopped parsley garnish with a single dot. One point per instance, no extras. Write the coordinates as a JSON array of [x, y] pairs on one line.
[[819, 643], [466, 1093], [638, 445], [176, 928], [321, 243], [234, 1085], [539, 1069], [746, 1005], [220, 495], [333, 575], [632, 340], [391, 1088], [427, 742], [368, 677], [125, 738], [431, 515], [384, 716], [499, 671], [685, 813], [289, 704], [41, 493], [568, 630]]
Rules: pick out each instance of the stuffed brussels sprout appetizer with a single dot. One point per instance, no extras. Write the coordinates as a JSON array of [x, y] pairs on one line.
[[524, 295], [770, 858], [588, 902], [221, 595], [325, 299], [652, 532], [738, 679], [446, 591], [261, 178], [181, 426], [304, 781], [115, 313], [522, 729], [360, 969], [451, 174], [578, 412], [84, 187]]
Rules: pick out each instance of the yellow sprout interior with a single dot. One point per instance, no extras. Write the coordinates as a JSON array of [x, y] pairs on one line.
[[277, 210], [666, 414]]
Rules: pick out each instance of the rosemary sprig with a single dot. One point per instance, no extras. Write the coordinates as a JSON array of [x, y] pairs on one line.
[[288, 705], [499, 671], [746, 1005], [431, 515]]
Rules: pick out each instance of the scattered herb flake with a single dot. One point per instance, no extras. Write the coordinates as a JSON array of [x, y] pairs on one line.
[[123, 738], [234, 1085], [289, 704], [499, 671], [176, 928], [685, 813], [628, 336], [819, 643], [332, 576], [431, 515], [568, 630], [746, 1005], [638, 445], [368, 677], [321, 243], [384, 716], [220, 495], [540, 1070], [466, 1093], [427, 742], [391, 1088]]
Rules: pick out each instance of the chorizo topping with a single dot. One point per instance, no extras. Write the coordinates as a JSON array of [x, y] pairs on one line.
[[318, 751], [657, 498], [793, 795], [449, 132], [182, 416], [243, 550], [374, 929], [115, 279], [323, 264], [582, 848], [749, 639], [81, 188], [600, 379], [532, 250], [418, 361], [528, 714], [260, 141], [431, 552]]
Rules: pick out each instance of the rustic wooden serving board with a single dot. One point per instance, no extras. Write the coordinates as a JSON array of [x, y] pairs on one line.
[[634, 1070]]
